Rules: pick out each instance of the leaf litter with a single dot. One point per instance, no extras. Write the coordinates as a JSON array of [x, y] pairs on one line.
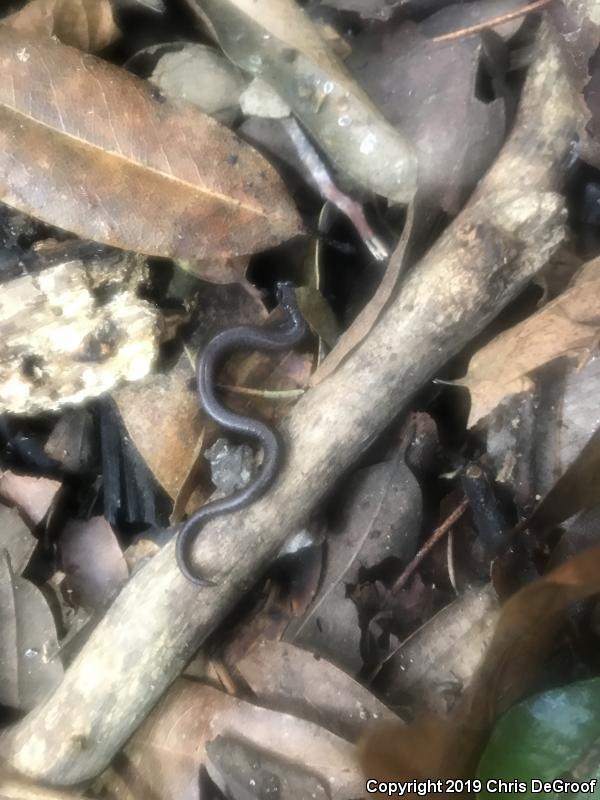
[[428, 593]]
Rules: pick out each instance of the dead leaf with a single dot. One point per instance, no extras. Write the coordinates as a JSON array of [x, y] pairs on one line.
[[86, 24], [176, 74], [458, 16], [275, 40], [28, 669], [170, 416], [168, 750], [72, 155], [33, 496], [381, 10], [429, 91], [567, 326], [431, 668], [93, 562], [578, 34], [15, 539], [244, 773], [71, 441], [287, 678], [382, 509], [441, 747]]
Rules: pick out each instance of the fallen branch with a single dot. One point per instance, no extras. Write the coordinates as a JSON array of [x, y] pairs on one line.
[[502, 238]]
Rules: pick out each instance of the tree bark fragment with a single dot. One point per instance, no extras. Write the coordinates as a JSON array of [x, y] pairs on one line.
[[72, 331]]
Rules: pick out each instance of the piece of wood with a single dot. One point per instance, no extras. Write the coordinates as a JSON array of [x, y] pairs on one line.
[[497, 244], [60, 345]]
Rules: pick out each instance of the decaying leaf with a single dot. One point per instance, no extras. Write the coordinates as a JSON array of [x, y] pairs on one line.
[[567, 326], [275, 40], [15, 539], [369, 9], [59, 346], [381, 519], [176, 74], [290, 679], [29, 669], [86, 24], [171, 416], [458, 16], [32, 495], [440, 747], [93, 562], [234, 766], [429, 91], [170, 747], [431, 668], [578, 33], [99, 152]]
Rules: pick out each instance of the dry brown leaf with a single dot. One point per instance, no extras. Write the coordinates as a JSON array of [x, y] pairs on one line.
[[568, 326], [99, 152], [441, 747], [430, 668], [93, 562], [276, 40], [33, 496], [164, 409], [86, 24], [168, 750], [291, 679]]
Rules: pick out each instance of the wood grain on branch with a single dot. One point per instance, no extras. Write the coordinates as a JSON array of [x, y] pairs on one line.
[[503, 237]]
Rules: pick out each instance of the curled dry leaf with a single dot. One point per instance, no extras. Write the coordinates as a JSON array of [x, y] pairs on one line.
[[86, 24], [101, 153], [275, 40], [443, 747], [568, 326]]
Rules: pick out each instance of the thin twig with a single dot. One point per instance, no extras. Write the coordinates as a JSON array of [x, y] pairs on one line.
[[491, 23], [435, 537], [265, 394]]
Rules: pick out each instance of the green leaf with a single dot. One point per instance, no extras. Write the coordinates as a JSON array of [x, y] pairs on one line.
[[552, 735]]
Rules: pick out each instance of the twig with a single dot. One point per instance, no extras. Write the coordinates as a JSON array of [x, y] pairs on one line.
[[435, 537], [322, 179], [491, 23]]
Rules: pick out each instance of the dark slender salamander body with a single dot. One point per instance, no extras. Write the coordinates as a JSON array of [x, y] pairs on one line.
[[281, 337]]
